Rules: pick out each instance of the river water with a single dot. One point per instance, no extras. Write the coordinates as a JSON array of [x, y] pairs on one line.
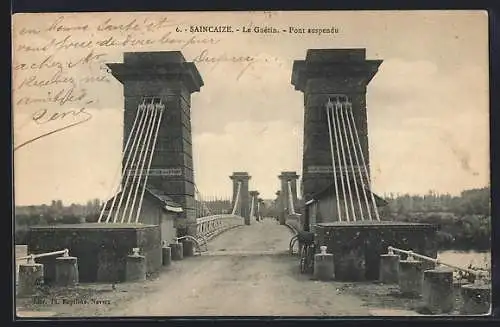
[[463, 259]]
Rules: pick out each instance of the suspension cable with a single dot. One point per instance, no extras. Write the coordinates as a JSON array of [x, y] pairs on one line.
[[290, 199], [330, 121], [143, 157], [128, 164], [158, 123], [202, 202], [343, 128], [346, 114], [337, 142], [364, 164], [119, 171], [252, 213], [142, 141], [237, 200]]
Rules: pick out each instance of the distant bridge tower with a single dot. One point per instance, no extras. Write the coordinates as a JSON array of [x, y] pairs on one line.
[[254, 204], [289, 190], [260, 208], [338, 77], [164, 77], [240, 182]]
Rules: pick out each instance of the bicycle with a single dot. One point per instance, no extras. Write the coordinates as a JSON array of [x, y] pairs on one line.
[[307, 251]]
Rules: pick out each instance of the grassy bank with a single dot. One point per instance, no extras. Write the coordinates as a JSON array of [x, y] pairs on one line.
[[464, 220], [463, 233]]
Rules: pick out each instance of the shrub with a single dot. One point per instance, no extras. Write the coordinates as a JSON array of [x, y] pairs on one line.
[[70, 219]]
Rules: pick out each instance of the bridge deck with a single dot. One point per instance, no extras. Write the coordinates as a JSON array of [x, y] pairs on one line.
[[266, 236], [247, 272]]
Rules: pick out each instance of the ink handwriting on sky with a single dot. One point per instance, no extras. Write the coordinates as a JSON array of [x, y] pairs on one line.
[[55, 61]]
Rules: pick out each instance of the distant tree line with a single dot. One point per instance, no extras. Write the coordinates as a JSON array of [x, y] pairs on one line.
[[273, 208], [53, 214], [464, 220], [212, 207]]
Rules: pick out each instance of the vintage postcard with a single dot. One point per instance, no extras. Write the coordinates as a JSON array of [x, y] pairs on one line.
[[281, 163]]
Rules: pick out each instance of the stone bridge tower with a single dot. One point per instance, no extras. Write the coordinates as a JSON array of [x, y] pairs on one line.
[[340, 75], [285, 178], [165, 75], [243, 178], [254, 198]]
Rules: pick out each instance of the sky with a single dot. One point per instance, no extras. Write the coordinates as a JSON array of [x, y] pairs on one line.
[[428, 109]]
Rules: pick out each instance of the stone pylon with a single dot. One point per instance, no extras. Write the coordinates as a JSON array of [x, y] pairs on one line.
[[244, 202], [289, 178], [339, 75], [165, 76], [254, 198]]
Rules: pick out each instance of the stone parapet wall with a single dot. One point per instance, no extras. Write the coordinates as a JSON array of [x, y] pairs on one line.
[[101, 249], [357, 246]]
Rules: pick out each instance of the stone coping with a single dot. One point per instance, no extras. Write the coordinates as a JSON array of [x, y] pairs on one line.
[[375, 224], [92, 226]]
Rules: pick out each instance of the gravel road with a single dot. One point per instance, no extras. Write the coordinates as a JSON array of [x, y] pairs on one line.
[[247, 272]]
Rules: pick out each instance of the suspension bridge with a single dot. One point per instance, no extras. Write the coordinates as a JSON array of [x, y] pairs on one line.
[[155, 201]]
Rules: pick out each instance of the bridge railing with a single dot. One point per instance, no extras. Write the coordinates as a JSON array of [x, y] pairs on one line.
[[30, 258], [412, 255], [207, 227]]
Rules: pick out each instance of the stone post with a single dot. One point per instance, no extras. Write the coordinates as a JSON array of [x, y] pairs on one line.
[[437, 291], [166, 252], [323, 265], [66, 271], [177, 251], [410, 278], [30, 277], [457, 292], [188, 248], [167, 76], [476, 299], [243, 178], [135, 269]]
